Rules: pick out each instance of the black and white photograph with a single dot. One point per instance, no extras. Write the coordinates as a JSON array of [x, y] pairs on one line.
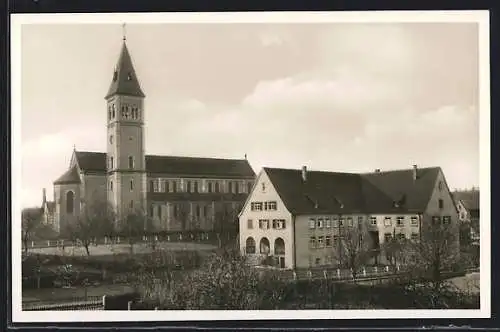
[[222, 166]]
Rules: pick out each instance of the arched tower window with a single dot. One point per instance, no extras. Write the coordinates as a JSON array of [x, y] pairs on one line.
[[130, 162], [70, 202]]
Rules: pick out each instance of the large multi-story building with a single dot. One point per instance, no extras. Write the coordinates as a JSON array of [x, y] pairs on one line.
[[179, 193], [297, 216]]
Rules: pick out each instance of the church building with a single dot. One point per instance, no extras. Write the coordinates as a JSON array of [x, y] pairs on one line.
[[179, 193]]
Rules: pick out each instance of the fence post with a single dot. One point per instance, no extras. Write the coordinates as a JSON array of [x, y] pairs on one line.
[[48, 243], [325, 274], [129, 305], [118, 239], [294, 275], [397, 267], [309, 274], [387, 268], [32, 243], [364, 271], [104, 302], [338, 273], [375, 270]]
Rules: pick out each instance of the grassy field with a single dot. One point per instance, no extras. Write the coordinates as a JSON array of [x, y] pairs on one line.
[[467, 283], [139, 248], [57, 295]]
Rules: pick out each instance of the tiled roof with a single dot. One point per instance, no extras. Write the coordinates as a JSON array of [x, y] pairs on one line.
[[186, 166], [124, 80], [196, 197], [205, 167], [331, 192], [469, 198], [70, 176]]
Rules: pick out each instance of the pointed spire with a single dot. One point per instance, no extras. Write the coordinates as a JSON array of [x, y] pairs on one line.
[[124, 81], [124, 30]]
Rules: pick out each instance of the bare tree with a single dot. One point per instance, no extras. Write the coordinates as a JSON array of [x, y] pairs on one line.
[[96, 219], [436, 250], [225, 223], [353, 246], [396, 250], [31, 221], [135, 225]]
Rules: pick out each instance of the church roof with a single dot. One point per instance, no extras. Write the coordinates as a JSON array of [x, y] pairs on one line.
[[174, 165], [337, 193], [124, 80], [70, 176]]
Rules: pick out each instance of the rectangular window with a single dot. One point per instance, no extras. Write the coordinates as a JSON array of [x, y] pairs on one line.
[[236, 187], [205, 210], [373, 221], [414, 221], [360, 220], [256, 206], [387, 237], [174, 186], [230, 187], [328, 241], [210, 189], [159, 211], [328, 223], [440, 203], [446, 220], [265, 206], [341, 222], [155, 185], [312, 223], [349, 222], [387, 221], [151, 186], [110, 185], [436, 220], [272, 205], [414, 236], [278, 223], [320, 242], [401, 236], [312, 242], [131, 162], [112, 162], [264, 223], [131, 185], [250, 224], [334, 222], [400, 221], [188, 186], [319, 224], [195, 186], [217, 187], [167, 186]]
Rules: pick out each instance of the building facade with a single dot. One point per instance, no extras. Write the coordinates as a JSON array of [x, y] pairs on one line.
[[468, 206], [179, 193], [298, 216]]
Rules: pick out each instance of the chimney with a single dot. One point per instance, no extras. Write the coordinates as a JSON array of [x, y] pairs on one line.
[[304, 173], [44, 199], [377, 170], [415, 169]]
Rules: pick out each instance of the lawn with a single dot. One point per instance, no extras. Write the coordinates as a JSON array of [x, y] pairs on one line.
[[467, 283], [57, 295], [122, 248]]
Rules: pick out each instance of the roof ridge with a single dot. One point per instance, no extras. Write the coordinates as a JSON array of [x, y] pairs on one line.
[[194, 157], [399, 170], [308, 170]]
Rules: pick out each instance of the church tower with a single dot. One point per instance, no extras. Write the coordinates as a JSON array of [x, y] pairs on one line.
[[126, 164]]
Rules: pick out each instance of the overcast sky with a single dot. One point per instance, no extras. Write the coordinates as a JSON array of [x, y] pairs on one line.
[[339, 97]]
